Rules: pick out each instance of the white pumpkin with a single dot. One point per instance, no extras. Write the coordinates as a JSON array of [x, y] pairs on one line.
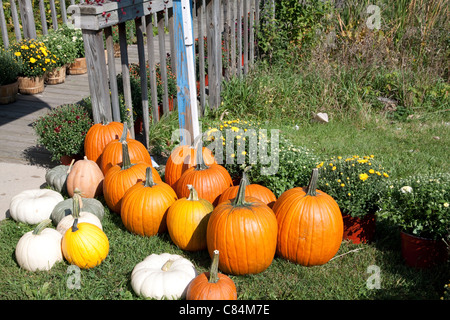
[[83, 216], [162, 276], [39, 249], [33, 206]]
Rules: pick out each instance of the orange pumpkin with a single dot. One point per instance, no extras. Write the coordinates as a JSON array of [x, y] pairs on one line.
[[209, 181], [98, 136], [112, 153], [212, 285], [245, 233], [144, 206], [187, 220], [252, 190], [86, 176], [120, 178], [182, 158], [310, 225]]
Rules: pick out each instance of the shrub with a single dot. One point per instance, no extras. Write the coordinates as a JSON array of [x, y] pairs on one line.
[[62, 130], [76, 36], [354, 182], [61, 46], [419, 205], [10, 68], [276, 162], [35, 56]]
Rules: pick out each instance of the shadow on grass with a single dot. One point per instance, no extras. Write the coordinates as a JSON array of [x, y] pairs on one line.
[[411, 283]]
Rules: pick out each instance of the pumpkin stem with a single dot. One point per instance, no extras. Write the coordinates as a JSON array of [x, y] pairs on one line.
[[240, 198], [149, 177], [312, 186], [77, 204], [70, 166], [213, 273], [75, 225], [193, 195], [123, 137], [166, 266], [126, 161], [199, 157], [41, 226]]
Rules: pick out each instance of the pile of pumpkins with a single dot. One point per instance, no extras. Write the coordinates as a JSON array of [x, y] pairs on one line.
[[196, 204]]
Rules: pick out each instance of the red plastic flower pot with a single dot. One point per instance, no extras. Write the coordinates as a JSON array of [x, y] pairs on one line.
[[359, 230], [422, 252]]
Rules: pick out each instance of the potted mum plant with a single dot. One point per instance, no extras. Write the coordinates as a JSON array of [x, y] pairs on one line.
[[62, 131], [75, 35], [65, 50], [37, 60], [420, 206], [10, 69], [355, 183]]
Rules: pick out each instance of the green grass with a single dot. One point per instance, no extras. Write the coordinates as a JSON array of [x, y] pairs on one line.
[[343, 278]]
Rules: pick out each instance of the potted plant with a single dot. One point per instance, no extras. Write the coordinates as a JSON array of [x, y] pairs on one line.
[[65, 50], [420, 206], [37, 60], [10, 69], [62, 131], [79, 64], [355, 183]]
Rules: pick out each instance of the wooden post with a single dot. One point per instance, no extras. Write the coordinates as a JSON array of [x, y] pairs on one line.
[[63, 11], [143, 76], [3, 26], [43, 17], [112, 75], [97, 75], [26, 13], [15, 18], [201, 55], [126, 72], [162, 61], [54, 17], [245, 31], [151, 66], [214, 52], [183, 94]]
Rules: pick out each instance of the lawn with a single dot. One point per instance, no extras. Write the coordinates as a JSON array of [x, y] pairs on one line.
[[409, 136]]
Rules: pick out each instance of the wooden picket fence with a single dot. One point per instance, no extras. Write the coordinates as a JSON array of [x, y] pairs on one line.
[[228, 26]]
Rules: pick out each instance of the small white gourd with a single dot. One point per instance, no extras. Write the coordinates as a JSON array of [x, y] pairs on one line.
[[162, 276], [39, 249], [33, 206]]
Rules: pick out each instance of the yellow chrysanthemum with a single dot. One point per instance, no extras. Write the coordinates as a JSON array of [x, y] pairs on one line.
[[32, 60], [363, 176], [18, 54]]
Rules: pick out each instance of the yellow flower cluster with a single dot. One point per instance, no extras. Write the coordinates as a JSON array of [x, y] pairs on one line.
[[35, 56], [352, 181]]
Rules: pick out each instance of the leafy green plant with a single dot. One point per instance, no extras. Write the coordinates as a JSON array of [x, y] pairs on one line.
[[354, 182], [276, 162], [76, 36], [62, 130], [419, 205], [35, 56], [10, 68], [61, 46]]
